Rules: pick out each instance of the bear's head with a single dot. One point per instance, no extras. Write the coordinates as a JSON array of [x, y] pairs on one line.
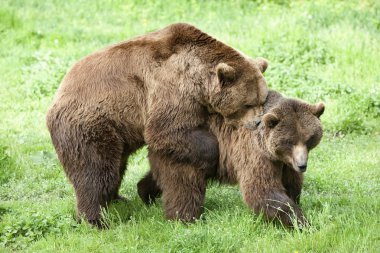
[[289, 130], [237, 88]]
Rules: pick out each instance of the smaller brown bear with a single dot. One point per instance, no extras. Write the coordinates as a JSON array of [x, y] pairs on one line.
[[267, 159]]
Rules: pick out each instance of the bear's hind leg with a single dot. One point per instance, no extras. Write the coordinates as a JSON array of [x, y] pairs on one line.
[[95, 184], [123, 166], [95, 172], [148, 189]]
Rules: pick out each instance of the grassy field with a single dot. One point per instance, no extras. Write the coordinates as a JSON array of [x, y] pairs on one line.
[[318, 51]]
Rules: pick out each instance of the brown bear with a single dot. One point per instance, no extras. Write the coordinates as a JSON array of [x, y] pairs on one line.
[[157, 89], [266, 158]]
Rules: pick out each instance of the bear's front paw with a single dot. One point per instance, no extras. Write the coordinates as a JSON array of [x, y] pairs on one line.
[[278, 206], [287, 212], [120, 198]]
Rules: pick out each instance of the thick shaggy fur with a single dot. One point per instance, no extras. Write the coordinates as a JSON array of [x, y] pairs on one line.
[[266, 161], [157, 89]]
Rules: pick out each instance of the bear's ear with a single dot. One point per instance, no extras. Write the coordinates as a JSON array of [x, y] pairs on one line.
[[270, 120], [226, 73], [263, 64], [318, 109]]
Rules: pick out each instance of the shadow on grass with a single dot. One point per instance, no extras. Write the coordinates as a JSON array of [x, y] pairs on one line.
[[3, 211], [220, 200]]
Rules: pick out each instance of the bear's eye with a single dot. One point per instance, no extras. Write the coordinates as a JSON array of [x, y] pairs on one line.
[[287, 143], [248, 106], [310, 142]]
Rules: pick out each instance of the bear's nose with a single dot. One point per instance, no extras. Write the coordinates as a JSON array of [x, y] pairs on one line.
[[302, 167]]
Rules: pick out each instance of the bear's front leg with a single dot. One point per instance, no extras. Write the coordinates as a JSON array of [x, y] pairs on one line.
[[183, 187], [196, 147], [263, 191], [293, 182], [178, 131], [275, 204]]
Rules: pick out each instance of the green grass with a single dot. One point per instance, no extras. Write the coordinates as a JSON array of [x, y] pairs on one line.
[[318, 51]]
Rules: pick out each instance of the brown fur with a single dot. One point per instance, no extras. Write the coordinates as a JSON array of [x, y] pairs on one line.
[[264, 160], [156, 89]]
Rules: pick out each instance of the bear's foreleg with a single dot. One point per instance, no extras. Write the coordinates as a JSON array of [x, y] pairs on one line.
[[293, 182], [275, 204], [183, 187], [191, 145], [263, 191]]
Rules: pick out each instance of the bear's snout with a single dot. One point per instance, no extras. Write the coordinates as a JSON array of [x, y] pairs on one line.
[[300, 155], [302, 168]]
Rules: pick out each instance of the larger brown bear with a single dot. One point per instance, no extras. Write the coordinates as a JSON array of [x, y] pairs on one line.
[[266, 160], [157, 89]]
